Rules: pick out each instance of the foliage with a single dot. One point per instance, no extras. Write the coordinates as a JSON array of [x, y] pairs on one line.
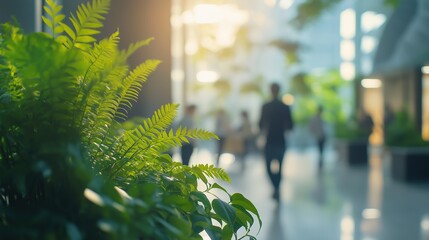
[[402, 132], [349, 130], [392, 3], [70, 170], [289, 49], [312, 90], [310, 10]]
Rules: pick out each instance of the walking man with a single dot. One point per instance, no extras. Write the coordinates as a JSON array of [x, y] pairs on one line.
[[275, 120]]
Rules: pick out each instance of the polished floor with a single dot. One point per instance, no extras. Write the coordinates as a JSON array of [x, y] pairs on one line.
[[337, 203]]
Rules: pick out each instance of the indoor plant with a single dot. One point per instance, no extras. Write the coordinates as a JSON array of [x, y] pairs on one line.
[[68, 170], [409, 152]]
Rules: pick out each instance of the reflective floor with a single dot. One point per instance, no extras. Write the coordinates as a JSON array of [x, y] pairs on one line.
[[338, 202]]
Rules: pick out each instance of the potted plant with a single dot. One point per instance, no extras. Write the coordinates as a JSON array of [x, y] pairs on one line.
[[351, 142], [69, 170], [409, 152]]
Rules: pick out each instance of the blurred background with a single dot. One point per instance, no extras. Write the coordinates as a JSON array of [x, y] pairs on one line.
[[349, 56]]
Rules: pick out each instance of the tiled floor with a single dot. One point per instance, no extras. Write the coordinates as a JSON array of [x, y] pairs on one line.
[[338, 203]]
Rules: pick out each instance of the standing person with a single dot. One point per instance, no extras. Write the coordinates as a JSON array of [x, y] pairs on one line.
[[365, 123], [188, 122], [317, 128], [275, 120], [222, 130], [245, 132]]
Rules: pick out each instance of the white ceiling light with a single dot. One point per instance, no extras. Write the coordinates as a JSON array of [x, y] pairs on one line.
[[371, 83], [207, 76], [348, 23]]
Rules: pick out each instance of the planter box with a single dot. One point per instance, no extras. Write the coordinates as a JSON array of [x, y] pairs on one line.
[[410, 163], [353, 152]]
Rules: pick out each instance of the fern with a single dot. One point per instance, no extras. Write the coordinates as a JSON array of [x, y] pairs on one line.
[[210, 171], [54, 19], [125, 54], [140, 139], [132, 85], [62, 96], [98, 58], [86, 23]]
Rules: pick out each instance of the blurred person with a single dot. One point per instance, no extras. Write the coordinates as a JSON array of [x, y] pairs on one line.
[[365, 123], [222, 129], [275, 120], [318, 130], [246, 135], [188, 121], [388, 118]]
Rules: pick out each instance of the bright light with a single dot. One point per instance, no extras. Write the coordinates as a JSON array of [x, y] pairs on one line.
[[177, 75], [347, 228], [347, 50], [425, 69], [207, 76], [176, 21], [214, 13], [288, 99], [286, 4], [225, 36], [207, 13], [371, 83], [371, 213], [348, 24], [187, 17], [371, 20], [347, 71], [368, 44], [270, 3], [424, 224], [347, 224], [226, 159], [191, 47], [210, 43]]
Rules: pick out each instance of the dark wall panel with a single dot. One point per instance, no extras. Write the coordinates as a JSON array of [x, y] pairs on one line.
[[21, 10], [138, 20]]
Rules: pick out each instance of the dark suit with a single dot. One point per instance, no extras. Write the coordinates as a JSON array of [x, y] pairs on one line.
[[275, 120]]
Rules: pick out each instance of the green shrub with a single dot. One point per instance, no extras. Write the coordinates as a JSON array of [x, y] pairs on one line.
[[402, 132], [65, 170]]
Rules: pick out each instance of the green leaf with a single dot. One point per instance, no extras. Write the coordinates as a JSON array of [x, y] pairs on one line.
[[201, 197], [68, 30], [48, 22], [225, 211], [240, 200], [216, 185], [182, 224], [227, 232]]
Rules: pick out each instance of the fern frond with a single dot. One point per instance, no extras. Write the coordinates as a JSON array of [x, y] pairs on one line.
[[132, 84], [136, 143], [140, 137], [54, 19], [125, 54], [86, 23], [145, 146], [210, 171], [196, 134], [101, 55], [97, 59]]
